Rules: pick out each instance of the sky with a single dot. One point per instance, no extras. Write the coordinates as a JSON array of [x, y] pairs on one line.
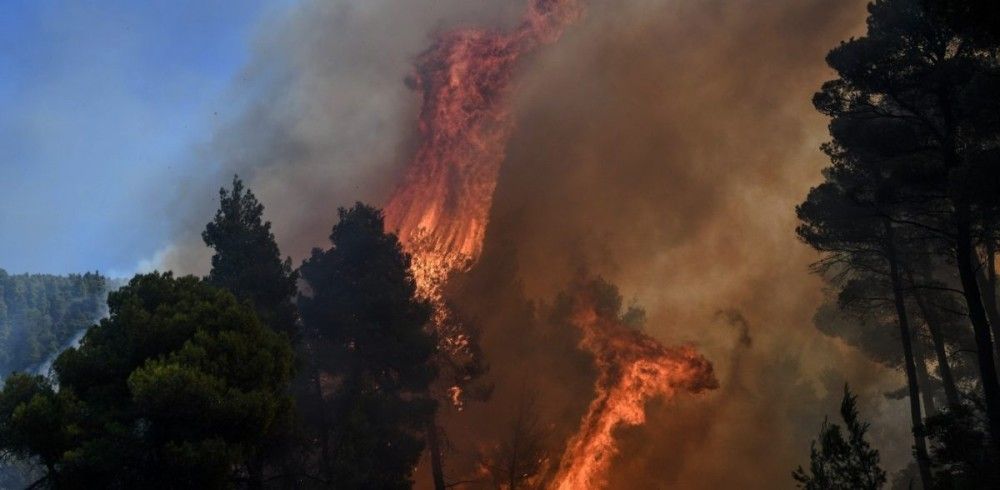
[[103, 103]]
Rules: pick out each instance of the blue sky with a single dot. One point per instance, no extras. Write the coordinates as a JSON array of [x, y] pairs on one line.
[[100, 100]]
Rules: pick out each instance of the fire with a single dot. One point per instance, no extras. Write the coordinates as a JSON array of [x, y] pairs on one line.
[[441, 210], [633, 369], [442, 207]]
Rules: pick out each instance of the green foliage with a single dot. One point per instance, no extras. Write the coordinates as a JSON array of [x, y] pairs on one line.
[[39, 314], [178, 385], [839, 462], [247, 261], [361, 303], [31, 420]]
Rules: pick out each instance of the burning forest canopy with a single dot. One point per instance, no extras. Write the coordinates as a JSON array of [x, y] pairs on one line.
[[594, 274]]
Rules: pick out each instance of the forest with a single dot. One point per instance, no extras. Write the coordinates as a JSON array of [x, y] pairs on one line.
[[905, 223], [40, 314], [402, 354]]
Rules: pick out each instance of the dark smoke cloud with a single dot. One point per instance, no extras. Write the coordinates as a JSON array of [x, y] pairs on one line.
[[662, 144]]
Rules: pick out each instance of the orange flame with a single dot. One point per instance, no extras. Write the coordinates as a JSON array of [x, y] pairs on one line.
[[441, 209], [633, 369], [442, 206]]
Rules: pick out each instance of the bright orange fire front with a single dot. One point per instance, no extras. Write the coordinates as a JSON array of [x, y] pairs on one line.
[[633, 369]]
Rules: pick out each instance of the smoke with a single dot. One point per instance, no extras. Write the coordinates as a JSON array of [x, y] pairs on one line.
[[662, 144], [320, 117]]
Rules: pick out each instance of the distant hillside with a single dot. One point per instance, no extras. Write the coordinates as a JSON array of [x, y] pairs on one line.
[[41, 314]]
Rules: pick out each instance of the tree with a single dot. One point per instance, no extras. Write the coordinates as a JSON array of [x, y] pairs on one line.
[[849, 218], [976, 19], [376, 351], [518, 457], [247, 261], [841, 463], [40, 314], [31, 421], [918, 100], [179, 384], [960, 449]]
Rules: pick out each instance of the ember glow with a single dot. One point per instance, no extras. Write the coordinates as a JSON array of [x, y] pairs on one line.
[[633, 369]]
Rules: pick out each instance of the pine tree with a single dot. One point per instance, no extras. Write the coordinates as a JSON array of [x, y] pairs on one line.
[[839, 462], [247, 261], [360, 299], [175, 388]]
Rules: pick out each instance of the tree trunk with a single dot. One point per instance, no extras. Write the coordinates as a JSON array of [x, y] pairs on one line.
[[967, 265], [933, 322], [988, 290], [991, 284], [324, 426], [924, 381], [434, 446], [919, 442]]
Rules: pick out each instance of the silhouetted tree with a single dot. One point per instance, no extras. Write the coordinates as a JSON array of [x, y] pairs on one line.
[[842, 461], [850, 219], [960, 449], [978, 20], [917, 100], [376, 352], [518, 456]]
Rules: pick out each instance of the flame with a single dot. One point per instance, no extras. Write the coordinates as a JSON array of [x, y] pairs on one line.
[[441, 209], [633, 369]]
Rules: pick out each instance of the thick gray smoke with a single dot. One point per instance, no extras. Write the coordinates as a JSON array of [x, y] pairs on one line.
[[662, 144]]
